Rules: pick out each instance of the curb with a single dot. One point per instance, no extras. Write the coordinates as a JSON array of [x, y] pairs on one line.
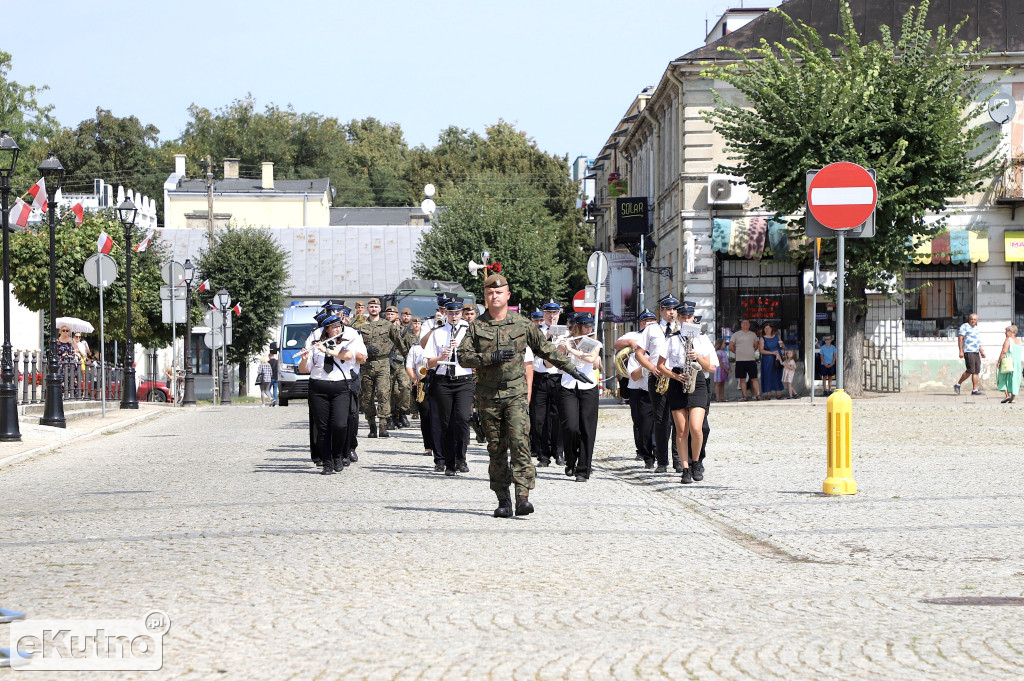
[[21, 456]]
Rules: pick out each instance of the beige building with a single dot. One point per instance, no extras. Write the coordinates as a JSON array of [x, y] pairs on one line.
[[263, 202]]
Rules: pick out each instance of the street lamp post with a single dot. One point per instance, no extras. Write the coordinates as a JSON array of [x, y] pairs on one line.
[[223, 301], [53, 408], [189, 398], [9, 431], [126, 213]]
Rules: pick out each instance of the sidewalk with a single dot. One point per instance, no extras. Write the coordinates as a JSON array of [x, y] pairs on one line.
[[36, 439]]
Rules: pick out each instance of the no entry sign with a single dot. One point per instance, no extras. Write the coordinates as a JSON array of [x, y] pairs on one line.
[[842, 195]]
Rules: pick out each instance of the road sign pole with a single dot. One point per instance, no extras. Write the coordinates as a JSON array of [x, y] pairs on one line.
[[840, 296], [103, 354]]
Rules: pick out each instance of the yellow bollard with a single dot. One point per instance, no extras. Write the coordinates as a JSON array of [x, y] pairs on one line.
[[840, 470]]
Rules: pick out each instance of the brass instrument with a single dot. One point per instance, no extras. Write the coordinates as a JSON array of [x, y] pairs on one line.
[[661, 387], [622, 358], [691, 370], [421, 389]]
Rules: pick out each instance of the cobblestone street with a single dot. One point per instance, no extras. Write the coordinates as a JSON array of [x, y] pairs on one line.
[[391, 571]]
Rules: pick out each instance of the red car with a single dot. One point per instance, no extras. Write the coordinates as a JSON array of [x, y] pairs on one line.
[[160, 394]]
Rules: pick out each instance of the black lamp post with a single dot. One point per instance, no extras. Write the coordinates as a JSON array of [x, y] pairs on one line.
[[190, 380], [223, 299], [126, 213], [53, 407], [9, 431]]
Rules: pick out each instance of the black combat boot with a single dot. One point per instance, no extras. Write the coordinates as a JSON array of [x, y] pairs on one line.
[[523, 505], [504, 509], [383, 431], [404, 421], [390, 424], [328, 467], [373, 430]]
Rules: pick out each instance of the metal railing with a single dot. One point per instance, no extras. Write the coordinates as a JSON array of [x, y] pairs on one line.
[[79, 380]]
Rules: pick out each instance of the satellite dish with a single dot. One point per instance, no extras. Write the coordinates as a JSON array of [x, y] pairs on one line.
[[1001, 108], [428, 206], [720, 190], [428, 191]]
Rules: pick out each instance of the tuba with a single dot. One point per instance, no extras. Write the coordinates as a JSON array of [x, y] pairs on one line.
[[622, 357]]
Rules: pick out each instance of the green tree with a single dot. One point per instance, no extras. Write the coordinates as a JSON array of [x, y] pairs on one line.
[[31, 124], [495, 214], [251, 266], [904, 106], [30, 278]]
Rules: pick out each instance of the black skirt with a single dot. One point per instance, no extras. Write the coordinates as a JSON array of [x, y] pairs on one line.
[[677, 399]]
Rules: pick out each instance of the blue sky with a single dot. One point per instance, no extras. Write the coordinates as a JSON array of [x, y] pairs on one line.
[[563, 71]]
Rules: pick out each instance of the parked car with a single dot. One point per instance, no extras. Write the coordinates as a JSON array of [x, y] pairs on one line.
[[160, 393]]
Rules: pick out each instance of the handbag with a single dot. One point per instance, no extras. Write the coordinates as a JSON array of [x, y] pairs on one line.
[[1006, 364]]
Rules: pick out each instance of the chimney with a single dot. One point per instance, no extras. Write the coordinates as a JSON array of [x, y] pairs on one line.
[[179, 164], [231, 169], [268, 175]]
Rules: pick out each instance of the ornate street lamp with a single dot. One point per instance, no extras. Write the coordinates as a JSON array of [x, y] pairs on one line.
[[223, 299], [126, 213], [53, 408], [189, 397], [9, 431]]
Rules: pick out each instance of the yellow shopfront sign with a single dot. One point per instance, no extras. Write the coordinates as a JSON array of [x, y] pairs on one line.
[[1014, 246]]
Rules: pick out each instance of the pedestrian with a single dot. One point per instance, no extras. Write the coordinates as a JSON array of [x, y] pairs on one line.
[[968, 339], [1009, 364], [68, 361], [380, 337], [743, 344], [332, 364], [451, 390], [545, 431], [275, 375], [722, 370], [789, 372], [578, 399], [263, 374], [771, 348], [495, 346], [827, 353], [688, 408]]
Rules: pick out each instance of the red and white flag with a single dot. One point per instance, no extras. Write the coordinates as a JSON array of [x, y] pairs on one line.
[[143, 245], [19, 213], [205, 286], [38, 194], [213, 307], [237, 309], [104, 243], [79, 212]]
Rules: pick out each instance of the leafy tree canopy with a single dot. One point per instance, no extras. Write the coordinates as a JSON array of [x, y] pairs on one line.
[[31, 124]]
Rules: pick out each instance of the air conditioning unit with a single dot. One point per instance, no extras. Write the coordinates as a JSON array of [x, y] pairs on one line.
[[727, 190]]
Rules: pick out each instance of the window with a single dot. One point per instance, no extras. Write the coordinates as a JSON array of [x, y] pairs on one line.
[[1018, 295], [201, 356], [762, 291], [941, 298]]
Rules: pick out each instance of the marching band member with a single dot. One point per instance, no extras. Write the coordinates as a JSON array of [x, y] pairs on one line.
[[417, 370], [687, 408], [578, 400], [545, 431], [451, 391], [640, 408], [648, 349], [332, 364]]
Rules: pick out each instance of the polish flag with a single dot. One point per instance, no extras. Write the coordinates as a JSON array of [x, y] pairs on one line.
[[213, 307], [205, 286], [237, 309], [19, 213], [143, 245], [38, 194], [79, 212], [104, 243]]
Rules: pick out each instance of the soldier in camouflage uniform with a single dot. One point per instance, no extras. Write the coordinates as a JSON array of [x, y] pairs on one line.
[[495, 346], [380, 337], [401, 394], [360, 317]]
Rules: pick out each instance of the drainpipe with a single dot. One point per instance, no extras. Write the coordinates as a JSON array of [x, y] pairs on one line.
[[680, 267]]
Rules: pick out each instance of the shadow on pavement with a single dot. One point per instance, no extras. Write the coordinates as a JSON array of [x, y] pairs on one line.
[[437, 510]]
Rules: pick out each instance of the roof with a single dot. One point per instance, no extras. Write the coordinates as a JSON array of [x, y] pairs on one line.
[[360, 215], [998, 23], [245, 185]]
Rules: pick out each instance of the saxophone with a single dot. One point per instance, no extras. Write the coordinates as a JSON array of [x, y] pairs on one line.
[[421, 389], [692, 369], [661, 386]]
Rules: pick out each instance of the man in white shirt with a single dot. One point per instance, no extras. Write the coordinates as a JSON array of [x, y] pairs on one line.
[[639, 399], [545, 433], [452, 389], [648, 349]]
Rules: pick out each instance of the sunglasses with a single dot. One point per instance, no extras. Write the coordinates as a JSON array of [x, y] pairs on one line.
[[65, 330]]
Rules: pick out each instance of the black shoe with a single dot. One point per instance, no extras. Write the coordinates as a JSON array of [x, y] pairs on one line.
[[318, 463], [639, 456], [353, 456], [346, 461], [481, 440], [438, 467], [383, 432], [695, 472], [504, 509], [544, 462], [449, 472], [523, 506], [340, 464], [648, 463], [328, 469], [687, 477], [570, 471], [581, 478], [661, 468], [390, 424], [559, 459], [373, 431], [678, 469], [463, 467], [405, 421]]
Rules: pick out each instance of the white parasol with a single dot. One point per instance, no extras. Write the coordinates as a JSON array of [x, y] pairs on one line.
[[75, 324]]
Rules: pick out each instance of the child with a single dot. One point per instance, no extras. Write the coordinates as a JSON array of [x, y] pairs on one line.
[[828, 365], [788, 372], [722, 371]]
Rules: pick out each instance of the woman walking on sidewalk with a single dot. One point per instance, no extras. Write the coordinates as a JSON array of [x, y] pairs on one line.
[[1009, 364]]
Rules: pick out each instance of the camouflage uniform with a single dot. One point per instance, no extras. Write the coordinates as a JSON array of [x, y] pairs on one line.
[[375, 400], [359, 321], [502, 392], [401, 386]]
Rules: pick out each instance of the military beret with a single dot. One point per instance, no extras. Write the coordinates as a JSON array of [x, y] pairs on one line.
[[406, 310], [495, 281], [392, 308], [468, 306], [373, 301]]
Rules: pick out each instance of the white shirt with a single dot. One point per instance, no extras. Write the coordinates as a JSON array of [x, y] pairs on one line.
[[414, 359], [528, 358], [351, 340], [440, 341], [652, 340], [428, 324], [538, 362], [631, 366], [674, 351], [585, 368]]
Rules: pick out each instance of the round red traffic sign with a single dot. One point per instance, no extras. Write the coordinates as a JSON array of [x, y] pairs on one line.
[[842, 195], [579, 305]]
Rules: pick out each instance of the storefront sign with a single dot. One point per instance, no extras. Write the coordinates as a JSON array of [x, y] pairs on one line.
[[632, 216], [1014, 242], [760, 308]]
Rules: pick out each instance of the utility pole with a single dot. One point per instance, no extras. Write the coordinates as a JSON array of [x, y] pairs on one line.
[[209, 196]]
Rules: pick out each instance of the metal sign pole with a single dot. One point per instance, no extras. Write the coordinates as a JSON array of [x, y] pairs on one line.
[[814, 312], [174, 350], [103, 354], [840, 294]]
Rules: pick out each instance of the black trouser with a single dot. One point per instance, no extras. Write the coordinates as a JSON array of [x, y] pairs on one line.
[[577, 408], [314, 451], [452, 399], [426, 431], [544, 423], [664, 428], [706, 428], [643, 422], [332, 404]]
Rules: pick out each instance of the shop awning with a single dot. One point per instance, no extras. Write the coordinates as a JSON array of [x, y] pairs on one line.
[[1014, 243], [749, 237], [957, 247]]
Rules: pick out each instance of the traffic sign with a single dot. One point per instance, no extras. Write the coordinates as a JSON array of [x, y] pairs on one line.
[[100, 268], [580, 305], [597, 268], [842, 195], [173, 273]]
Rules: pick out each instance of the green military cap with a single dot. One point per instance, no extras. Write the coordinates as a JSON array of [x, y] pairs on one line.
[[373, 301], [495, 281]]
